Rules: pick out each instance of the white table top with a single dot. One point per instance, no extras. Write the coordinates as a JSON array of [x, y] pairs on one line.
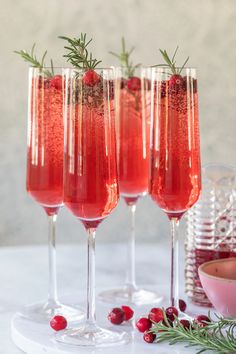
[[24, 280]]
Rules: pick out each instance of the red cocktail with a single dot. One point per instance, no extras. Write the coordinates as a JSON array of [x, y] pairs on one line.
[[175, 182]]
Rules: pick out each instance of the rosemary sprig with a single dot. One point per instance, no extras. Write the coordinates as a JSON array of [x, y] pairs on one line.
[[206, 338], [34, 62], [78, 54], [124, 58], [171, 62]]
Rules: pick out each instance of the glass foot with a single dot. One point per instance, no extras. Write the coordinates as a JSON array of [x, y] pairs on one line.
[[130, 295], [91, 336], [41, 312]]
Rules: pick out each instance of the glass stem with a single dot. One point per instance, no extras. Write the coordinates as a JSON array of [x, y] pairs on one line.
[[52, 288], [91, 316], [174, 287], [130, 277]]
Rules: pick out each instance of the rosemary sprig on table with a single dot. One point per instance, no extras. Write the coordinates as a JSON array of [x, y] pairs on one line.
[[124, 58], [78, 54], [209, 337], [171, 62], [34, 62]]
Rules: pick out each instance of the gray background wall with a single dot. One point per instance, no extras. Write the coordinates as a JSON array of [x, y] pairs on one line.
[[204, 29]]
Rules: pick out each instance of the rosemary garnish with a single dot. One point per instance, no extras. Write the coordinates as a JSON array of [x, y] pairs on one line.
[[124, 58], [210, 337], [171, 62], [78, 54], [32, 59]]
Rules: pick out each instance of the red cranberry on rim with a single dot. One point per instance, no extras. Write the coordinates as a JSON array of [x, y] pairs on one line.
[[58, 323], [91, 78], [182, 305], [156, 315], [56, 82], [201, 320], [134, 83], [116, 316], [143, 324], [128, 312], [149, 337], [171, 313]]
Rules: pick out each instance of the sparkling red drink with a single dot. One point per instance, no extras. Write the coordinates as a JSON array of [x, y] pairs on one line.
[[134, 127], [91, 189], [45, 142], [175, 182], [175, 167]]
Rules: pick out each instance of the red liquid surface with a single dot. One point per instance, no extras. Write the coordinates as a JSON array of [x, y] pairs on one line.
[[45, 146], [175, 168], [134, 137], [91, 189]]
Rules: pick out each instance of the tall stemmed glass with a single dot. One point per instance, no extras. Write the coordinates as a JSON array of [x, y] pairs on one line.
[[175, 162], [90, 179], [45, 172], [133, 142]]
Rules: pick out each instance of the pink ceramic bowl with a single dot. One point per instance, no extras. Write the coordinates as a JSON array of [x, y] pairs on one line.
[[218, 279]]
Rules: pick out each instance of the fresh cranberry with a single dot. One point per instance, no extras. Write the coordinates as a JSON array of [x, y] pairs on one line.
[[91, 78], [134, 83], [58, 323], [182, 305], [149, 337], [56, 82], [185, 323], [176, 80], [156, 315], [128, 312], [201, 320], [116, 316], [171, 313], [143, 324]]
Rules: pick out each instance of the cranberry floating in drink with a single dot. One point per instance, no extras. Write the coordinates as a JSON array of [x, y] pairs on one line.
[[90, 170], [175, 162]]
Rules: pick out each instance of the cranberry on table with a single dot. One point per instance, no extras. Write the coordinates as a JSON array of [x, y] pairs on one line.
[[185, 323], [58, 323], [143, 324], [91, 78], [171, 313], [116, 316], [128, 312], [156, 315], [149, 337], [201, 320], [134, 83], [182, 305]]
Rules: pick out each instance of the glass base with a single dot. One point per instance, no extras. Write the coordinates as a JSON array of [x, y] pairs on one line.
[[41, 312], [91, 336], [130, 295]]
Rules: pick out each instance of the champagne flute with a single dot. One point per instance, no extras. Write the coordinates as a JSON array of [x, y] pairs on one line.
[[133, 141], [90, 180], [44, 183], [175, 152]]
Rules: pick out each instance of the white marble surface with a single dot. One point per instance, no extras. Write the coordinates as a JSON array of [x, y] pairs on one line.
[[23, 280]]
